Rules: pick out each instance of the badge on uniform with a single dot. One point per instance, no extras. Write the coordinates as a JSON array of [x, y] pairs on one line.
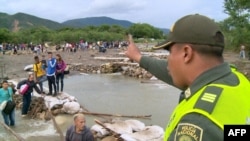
[[188, 132]]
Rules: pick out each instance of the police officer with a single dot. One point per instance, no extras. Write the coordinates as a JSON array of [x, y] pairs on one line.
[[214, 93]]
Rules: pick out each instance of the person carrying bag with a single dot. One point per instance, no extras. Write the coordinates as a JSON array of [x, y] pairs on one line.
[[27, 95], [7, 104], [10, 106]]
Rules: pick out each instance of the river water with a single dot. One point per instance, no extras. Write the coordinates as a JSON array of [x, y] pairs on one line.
[[103, 93]]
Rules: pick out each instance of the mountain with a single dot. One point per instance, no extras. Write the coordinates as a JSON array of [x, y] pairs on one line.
[[22, 21], [97, 21], [165, 30]]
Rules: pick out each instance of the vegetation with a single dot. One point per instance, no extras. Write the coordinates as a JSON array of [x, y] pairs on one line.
[[24, 28], [36, 30], [90, 33], [23, 21], [236, 27], [96, 21]]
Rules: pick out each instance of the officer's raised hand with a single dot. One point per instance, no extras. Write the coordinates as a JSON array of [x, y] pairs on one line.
[[133, 51]]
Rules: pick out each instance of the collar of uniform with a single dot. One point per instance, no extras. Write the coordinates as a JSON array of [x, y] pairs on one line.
[[207, 77], [187, 93]]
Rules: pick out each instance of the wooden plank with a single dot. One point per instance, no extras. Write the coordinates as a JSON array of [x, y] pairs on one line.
[[111, 58], [18, 137]]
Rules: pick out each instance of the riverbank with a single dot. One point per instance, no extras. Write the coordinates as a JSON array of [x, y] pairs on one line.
[[38, 110], [93, 61], [107, 94], [16, 63]]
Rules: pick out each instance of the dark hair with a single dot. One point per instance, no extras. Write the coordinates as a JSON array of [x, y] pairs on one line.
[[208, 50], [36, 57], [5, 81], [59, 57]]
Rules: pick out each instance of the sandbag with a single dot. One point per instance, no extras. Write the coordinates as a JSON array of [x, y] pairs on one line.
[[71, 107], [153, 132], [136, 125], [100, 131]]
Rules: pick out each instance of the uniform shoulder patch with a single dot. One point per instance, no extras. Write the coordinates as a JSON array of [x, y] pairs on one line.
[[188, 132]]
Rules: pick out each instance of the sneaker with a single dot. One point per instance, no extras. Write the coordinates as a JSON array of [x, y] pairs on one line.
[[43, 95], [55, 94], [49, 93]]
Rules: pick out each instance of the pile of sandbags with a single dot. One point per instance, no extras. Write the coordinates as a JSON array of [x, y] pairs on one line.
[[128, 130]]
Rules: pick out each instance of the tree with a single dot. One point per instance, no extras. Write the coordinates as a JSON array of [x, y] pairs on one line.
[[103, 28], [117, 29], [144, 31], [237, 27], [4, 35], [41, 34]]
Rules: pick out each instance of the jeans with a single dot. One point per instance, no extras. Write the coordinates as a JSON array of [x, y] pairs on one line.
[[9, 119], [59, 76], [40, 80], [242, 54], [52, 81], [26, 103]]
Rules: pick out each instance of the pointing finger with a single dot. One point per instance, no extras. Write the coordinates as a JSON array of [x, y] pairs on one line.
[[130, 38]]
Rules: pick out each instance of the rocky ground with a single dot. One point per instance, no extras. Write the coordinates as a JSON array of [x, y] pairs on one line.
[[84, 61], [13, 65]]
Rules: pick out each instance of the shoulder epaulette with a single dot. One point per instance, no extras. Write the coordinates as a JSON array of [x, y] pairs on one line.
[[208, 98]]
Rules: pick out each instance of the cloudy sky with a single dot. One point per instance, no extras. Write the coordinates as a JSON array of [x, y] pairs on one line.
[[159, 13]]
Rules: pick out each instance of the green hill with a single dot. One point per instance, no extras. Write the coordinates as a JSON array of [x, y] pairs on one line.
[[21, 21], [97, 21]]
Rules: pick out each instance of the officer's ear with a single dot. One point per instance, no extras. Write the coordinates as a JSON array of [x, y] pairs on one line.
[[188, 53]]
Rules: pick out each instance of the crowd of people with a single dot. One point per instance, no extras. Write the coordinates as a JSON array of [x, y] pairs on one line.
[[38, 49], [77, 131], [51, 70]]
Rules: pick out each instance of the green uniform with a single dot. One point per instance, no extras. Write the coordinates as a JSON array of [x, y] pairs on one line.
[[196, 118]]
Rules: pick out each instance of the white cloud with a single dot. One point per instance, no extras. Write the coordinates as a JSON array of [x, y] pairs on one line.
[[115, 6]]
